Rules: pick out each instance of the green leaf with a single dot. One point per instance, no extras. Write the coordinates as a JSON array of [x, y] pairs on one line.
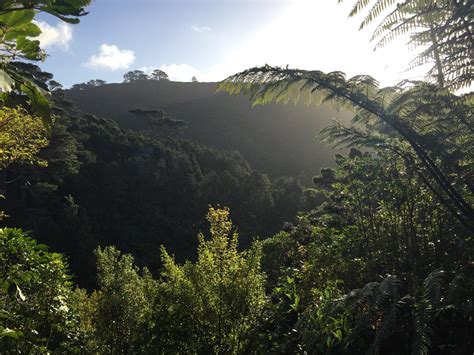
[[38, 101], [29, 30], [7, 332], [30, 48], [6, 81], [17, 18], [70, 20], [337, 334]]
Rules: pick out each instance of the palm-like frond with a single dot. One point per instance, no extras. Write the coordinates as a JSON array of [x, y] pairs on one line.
[[423, 116], [382, 315], [433, 288], [445, 26]]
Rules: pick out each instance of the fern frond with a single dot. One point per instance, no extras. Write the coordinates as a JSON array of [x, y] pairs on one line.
[[403, 112], [388, 295], [444, 25], [376, 10], [433, 288], [359, 6], [422, 331], [339, 136]]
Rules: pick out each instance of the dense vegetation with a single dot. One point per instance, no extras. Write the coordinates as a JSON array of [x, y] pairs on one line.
[[378, 260], [275, 139], [105, 185]]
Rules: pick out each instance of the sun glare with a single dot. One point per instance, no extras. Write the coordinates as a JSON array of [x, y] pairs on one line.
[[319, 35]]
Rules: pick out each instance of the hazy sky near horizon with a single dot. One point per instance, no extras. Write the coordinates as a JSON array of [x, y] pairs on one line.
[[212, 39]]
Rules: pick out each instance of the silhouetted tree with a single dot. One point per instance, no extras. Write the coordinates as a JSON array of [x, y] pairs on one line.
[[54, 85], [80, 86], [96, 82], [134, 75], [159, 74], [194, 80]]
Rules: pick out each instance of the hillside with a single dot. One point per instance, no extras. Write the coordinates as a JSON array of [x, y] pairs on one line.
[[275, 139]]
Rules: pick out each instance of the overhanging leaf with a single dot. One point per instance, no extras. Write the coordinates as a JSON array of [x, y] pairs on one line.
[[6, 81]]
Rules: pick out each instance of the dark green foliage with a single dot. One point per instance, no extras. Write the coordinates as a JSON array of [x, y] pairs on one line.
[[274, 139], [385, 320], [125, 301], [134, 75], [160, 124], [379, 220], [415, 121], [34, 290], [105, 185]]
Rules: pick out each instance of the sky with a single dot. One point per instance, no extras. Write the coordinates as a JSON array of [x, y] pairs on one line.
[[212, 39]]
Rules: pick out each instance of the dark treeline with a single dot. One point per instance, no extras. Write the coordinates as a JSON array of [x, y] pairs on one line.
[[105, 185], [275, 139]]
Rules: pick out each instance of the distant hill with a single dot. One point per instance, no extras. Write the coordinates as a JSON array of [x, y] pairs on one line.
[[275, 139]]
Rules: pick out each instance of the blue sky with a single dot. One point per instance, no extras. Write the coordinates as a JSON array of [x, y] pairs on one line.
[[212, 39]]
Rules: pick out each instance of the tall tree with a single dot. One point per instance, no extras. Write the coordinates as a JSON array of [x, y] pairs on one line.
[[22, 136], [159, 74], [126, 296], [134, 75], [96, 82]]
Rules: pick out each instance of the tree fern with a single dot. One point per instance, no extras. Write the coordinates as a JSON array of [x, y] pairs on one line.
[[382, 315], [408, 110], [445, 26]]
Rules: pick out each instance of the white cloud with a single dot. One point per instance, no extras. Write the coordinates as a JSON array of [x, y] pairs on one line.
[[180, 72], [111, 57], [54, 36], [201, 29]]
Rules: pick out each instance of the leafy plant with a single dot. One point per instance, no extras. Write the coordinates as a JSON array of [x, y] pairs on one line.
[[211, 305], [18, 33], [22, 136], [124, 303], [402, 111], [34, 292]]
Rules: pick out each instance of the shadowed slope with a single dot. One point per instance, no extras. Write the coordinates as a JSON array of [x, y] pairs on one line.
[[276, 139]]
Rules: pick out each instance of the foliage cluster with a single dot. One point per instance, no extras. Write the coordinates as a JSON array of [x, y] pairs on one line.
[[160, 190], [22, 136], [379, 221], [207, 306], [18, 44], [34, 293]]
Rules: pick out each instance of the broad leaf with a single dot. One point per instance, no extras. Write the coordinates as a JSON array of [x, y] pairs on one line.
[[6, 81]]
